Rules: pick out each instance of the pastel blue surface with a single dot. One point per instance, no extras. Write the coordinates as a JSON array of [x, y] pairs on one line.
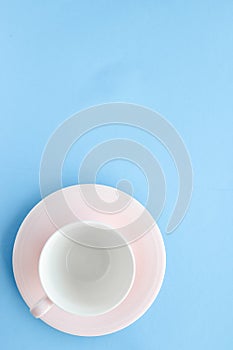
[[58, 57]]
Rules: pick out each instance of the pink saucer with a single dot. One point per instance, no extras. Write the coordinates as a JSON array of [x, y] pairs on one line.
[[149, 255]]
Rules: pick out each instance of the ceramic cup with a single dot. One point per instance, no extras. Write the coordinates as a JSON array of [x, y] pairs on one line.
[[79, 276]]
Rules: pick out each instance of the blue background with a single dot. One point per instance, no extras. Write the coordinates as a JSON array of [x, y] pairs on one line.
[[176, 57]]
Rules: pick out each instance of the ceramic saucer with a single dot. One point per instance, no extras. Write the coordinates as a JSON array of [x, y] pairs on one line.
[[148, 250]]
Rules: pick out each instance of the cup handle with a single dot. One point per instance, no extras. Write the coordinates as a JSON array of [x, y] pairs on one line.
[[41, 307]]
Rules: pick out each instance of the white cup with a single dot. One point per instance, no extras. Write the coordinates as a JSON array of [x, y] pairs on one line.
[[79, 276]]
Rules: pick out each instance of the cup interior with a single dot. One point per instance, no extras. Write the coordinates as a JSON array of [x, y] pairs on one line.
[[81, 277]]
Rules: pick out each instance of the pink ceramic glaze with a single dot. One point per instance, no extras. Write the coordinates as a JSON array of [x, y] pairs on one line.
[[149, 254]]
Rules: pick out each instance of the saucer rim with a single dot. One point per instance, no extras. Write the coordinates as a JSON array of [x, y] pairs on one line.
[[19, 278]]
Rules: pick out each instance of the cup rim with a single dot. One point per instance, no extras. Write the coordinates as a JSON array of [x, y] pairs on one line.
[[99, 248]]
